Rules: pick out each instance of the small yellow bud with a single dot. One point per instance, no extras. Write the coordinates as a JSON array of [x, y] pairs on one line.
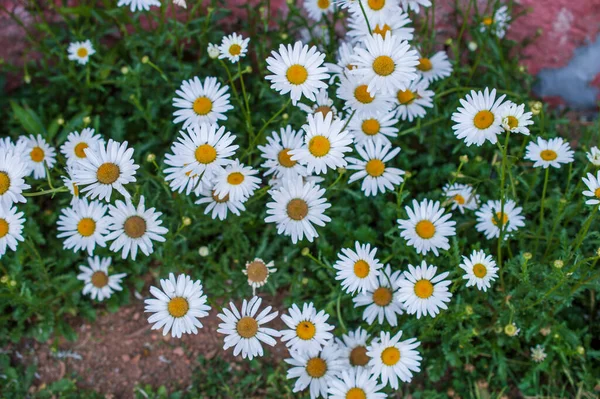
[[464, 158], [598, 252], [4, 279], [522, 68], [284, 36], [527, 256], [559, 264], [13, 283], [87, 120], [341, 171], [511, 329], [124, 70], [60, 121], [305, 251], [203, 251], [145, 59], [248, 69], [150, 157], [285, 117], [27, 79], [305, 281], [408, 174], [478, 158], [186, 221], [536, 107], [448, 41], [545, 331], [475, 331], [472, 46], [469, 310], [581, 350]]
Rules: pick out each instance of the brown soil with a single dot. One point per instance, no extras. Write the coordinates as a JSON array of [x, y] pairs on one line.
[[119, 351]]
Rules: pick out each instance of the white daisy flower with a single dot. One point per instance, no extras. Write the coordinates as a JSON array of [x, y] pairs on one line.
[[134, 228], [105, 169], [515, 119], [377, 176], [461, 196], [323, 104], [553, 152], [217, 207], [236, 181], [382, 301], [13, 169], [414, 4], [317, 9], [538, 354], [388, 64], [213, 51], [70, 184], [355, 384], [99, 284], [203, 151], [511, 330], [377, 11], [83, 226], [245, 330], [353, 90], [201, 103], [11, 227], [140, 5], [307, 331], [479, 118], [80, 51], [480, 270], [326, 142], [315, 371], [354, 349], [427, 227], [490, 215], [233, 47], [358, 270], [496, 24], [297, 70], [594, 156], [392, 359], [39, 155], [422, 292], [343, 63], [276, 153], [434, 68], [371, 128], [74, 148], [593, 184], [178, 306], [396, 23], [258, 272], [181, 181], [411, 103], [296, 207]]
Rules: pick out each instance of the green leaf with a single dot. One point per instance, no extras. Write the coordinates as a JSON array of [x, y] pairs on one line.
[[28, 119]]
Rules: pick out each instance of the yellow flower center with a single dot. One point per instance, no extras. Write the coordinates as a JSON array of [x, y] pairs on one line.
[[423, 289], [257, 272], [597, 192], [390, 356], [479, 270], [319, 146], [488, 21], [382, 296], [375, 167], [381, 30], [4, 182], [384, 65], [178, 306], [108, 173], [483, 119], [219, 200], [425, 229], [323, 4], [356, 393], [376, 5], [202, 105], [459, 199], [306, 330], [79, 149], [297, 209], [362, 94], [3, 227], [361, 269], [512, 122], [134, 226], [358, 356], [235, 49], [86, 227], [205, 154], [548, 155], [370, 127], [296, 74], [82, 52], [37, 154], [424, 64], [316, 367], [247, 327], [324, 109], [99, 279], [235, 178], [285, 158], [406, 97], [499, 217]]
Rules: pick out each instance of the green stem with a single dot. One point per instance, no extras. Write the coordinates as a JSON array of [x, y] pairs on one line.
[[504, 150], [52, 191], [362, 8], [541, 225]]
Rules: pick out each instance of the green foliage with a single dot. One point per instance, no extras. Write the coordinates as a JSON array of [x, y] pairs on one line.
[[124, 97]]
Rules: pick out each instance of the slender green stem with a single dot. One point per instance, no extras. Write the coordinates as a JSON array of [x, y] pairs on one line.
[[52, 191], [541, 225], [362, 8], [584, 231], [500, 222], [246, 102], [339, 313]]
